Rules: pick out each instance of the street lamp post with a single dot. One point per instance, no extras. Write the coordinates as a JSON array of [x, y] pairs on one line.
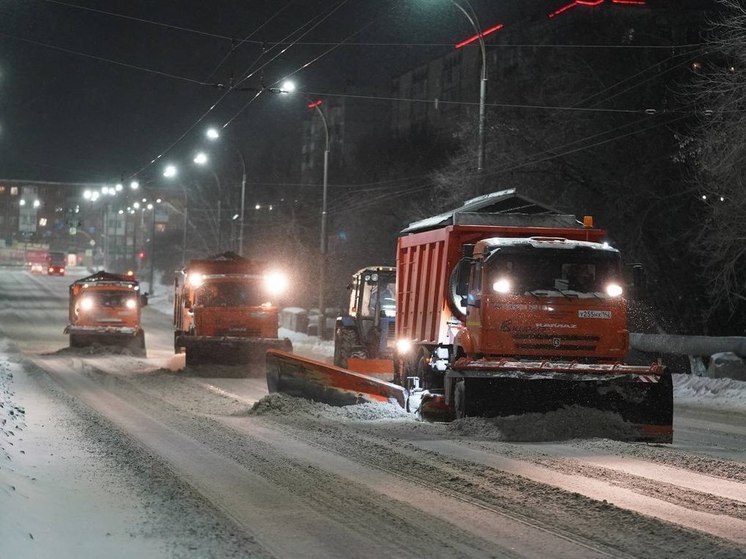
[[286, 88], [152, 252], [474, 21], [201, 159], [213, 135], [316, 105]]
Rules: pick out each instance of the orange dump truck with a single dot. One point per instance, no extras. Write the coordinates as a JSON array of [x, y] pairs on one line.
[[105, 310], [225, 310], [519, 311], [505, 307]]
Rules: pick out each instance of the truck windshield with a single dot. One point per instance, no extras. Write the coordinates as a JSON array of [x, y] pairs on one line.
[[528, 269], [380, 297], [112, 299], [56, 258], [229, 294]]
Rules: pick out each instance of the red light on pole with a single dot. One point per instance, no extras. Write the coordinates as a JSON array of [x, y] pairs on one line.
[[594, 3], [483, 34], [314, 104]]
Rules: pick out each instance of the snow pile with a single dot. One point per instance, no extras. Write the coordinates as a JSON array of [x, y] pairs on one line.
[[719, 393], [93, 349], [572, 422], [284, 405], [12, 416]]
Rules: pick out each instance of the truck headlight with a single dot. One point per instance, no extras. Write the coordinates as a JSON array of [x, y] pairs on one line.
[[614, 290], [403, 346], [195, 279], [502, 285], [131, 303], [86, 304], [275, 283]]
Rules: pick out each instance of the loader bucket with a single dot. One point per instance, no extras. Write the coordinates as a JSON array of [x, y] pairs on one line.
[[307, 378], [203, 350], [643, 397]]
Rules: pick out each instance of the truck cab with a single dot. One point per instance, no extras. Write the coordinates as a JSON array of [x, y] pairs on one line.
[[542, 298], [226, 310], [56, 262], [105, 309]]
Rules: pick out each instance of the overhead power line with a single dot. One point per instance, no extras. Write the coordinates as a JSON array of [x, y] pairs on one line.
[[103, 59], [282, 42]]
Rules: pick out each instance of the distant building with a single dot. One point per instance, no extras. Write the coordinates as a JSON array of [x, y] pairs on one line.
[[350, 121], [443, 94], [104, 232]]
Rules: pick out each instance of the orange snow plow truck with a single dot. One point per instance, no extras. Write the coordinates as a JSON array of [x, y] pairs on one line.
[[507, 307], [225, 311], [105, 310]]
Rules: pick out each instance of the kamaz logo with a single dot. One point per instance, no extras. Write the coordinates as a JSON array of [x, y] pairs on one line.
[[556, 342]]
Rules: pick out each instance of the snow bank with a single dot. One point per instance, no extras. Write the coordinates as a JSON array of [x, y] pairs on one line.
[[284, 405], [573, 422], [719, 393], [12, 416]]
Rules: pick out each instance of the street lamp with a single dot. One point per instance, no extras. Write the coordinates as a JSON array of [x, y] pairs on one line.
[[289, 87], [213, 134], [170, 171], [186, 223], [471, 15], [201, 159], [316, 105]]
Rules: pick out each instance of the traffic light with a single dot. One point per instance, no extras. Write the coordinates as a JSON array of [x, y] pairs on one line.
[[141, 255]]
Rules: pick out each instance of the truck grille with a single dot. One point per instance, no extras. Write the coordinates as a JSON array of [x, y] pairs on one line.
[[555, 343]]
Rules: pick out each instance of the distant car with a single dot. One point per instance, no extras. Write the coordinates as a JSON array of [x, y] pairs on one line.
[[37, 268]]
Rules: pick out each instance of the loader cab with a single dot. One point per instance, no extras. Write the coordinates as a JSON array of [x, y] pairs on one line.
[[373, 294], [366, 333]]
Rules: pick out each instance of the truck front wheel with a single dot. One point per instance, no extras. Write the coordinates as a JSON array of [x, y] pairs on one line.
[[459, 399], [177, 346], [345, 340]]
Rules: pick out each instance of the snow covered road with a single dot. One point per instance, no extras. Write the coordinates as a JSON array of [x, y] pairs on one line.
[[119, 456]]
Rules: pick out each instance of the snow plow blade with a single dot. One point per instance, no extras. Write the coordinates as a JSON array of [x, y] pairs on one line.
[[382, 369], [201, 350], [134, 342], [307, 378], [642, 396]]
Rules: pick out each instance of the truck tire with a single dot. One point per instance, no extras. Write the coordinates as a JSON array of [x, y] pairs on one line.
[[345, 340], [177, 347], [138, 344], [459, 399], [429, 378]]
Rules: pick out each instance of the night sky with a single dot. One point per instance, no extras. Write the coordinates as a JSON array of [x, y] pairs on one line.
[[95, 90]]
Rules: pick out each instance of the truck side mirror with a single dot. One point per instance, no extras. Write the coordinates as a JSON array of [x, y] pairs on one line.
[[144, 300]]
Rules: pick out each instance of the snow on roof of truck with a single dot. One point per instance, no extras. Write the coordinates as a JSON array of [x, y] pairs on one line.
[[391, 269], [545, 242], [505, 207], [102, 277]]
